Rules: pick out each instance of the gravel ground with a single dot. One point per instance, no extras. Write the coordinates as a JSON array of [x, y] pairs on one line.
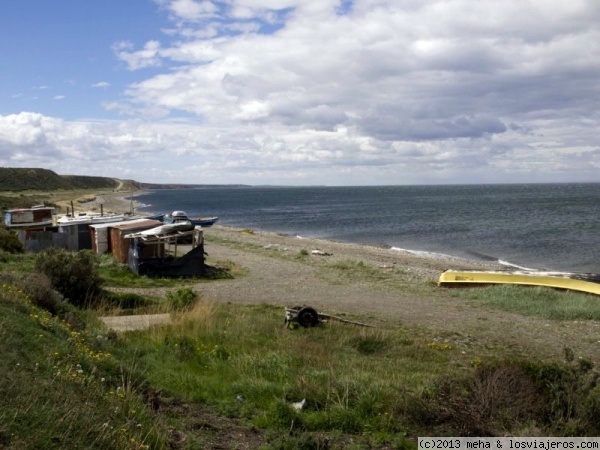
[[413, 300]]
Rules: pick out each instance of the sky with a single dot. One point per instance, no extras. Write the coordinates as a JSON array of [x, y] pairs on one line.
[[303, 92]]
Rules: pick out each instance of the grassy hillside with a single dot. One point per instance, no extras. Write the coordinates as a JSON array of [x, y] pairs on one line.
[[60, 387], [24, 187], [31, 179]]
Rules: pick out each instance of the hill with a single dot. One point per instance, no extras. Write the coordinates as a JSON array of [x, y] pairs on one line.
[[31, 179]]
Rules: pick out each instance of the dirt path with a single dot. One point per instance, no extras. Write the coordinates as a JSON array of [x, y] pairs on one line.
[[139, 322], [407, 296]]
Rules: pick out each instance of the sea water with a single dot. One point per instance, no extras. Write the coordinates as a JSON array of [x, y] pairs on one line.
[[537, 226]]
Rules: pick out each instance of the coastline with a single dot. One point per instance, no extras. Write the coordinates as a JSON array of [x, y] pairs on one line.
[[384, 256], [420, 264]]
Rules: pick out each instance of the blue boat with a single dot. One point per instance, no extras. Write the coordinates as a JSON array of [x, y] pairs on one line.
[[180, 216]]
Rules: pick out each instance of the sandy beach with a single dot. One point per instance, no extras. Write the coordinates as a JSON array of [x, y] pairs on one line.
[[116, 202], [391, 288]]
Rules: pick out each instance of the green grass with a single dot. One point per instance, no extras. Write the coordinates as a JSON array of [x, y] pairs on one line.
[[354, 379], [373, 387], [21, 179], [218, 364], [386, 382], [17, 262], [120, 275], [542, 302], [59, 388]]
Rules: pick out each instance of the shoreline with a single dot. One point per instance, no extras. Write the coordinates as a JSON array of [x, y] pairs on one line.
[[120, 202], [423, 263]]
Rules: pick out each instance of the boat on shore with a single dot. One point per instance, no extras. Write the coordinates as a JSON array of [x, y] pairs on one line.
[[181, 216], [165, 229], [91, 217], [582, 282]]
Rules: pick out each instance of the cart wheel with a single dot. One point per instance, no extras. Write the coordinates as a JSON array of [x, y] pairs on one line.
[[308, 317]]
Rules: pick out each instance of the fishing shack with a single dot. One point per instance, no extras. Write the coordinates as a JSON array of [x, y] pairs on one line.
[[159, 252], [116, 242]]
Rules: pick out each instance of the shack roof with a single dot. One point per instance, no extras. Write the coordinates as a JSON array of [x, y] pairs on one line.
[[97, 226], [136, 224]]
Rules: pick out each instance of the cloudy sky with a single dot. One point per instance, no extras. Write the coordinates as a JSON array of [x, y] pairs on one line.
[[303, 92]]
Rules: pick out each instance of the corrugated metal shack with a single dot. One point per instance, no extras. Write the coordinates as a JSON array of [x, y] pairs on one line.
[[119, 246], [78, 229], [156, 255], [38, 241], [78, 236], [101, 237]]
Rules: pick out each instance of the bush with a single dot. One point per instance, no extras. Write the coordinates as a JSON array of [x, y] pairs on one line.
[[571, 394], [74, 275], [127, 300], [505, 398], [9, 242], [39, 289], [181, 299], [489, 401]]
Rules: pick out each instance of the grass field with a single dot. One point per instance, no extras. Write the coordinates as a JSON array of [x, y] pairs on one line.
[[229, 376]]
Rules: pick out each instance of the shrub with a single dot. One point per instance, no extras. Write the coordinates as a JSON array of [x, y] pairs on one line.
[[492, 400], [181, 299], [9, 242], [39, 289], [127, 300], [571, 394], [74, 275]]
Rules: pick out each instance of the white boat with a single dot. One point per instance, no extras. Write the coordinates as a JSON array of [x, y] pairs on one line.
[[92, 217]]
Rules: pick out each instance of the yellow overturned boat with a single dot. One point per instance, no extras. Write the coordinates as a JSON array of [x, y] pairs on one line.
[[583, 282]]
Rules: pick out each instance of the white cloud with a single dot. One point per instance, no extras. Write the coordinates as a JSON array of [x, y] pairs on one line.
[[192, 9], [101, 84], [323, 92], [149, 56]]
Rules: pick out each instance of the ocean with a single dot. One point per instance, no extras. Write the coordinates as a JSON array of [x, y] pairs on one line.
[[536, 226]]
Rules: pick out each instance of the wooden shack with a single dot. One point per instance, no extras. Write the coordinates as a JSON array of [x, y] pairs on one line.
[[100, 235], [157, 255], [118, 245]]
